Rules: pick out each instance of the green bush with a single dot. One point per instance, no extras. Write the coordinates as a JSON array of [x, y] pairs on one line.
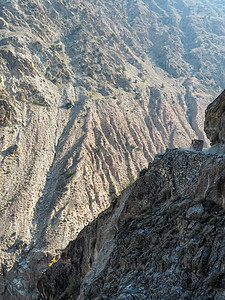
[[68, 173], [131, 177], [69, 104], [112, 231]]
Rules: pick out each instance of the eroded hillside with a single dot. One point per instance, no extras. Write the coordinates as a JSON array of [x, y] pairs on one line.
[[90, 91]]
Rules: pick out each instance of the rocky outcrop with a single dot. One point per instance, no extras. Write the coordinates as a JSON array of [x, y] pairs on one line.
[[215, 120], [162, 239]]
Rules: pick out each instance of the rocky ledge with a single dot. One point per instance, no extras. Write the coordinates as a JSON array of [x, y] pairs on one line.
[[162, 238]]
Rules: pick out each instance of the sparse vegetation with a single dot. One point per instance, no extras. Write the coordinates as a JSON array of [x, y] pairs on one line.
[[131, 177], [113, 196], [38, 296], [74, 285], [68, 173], [69, 104], [98, 149], [31, 289], [112, 231], [72, 288], [181, 253], [138, 96], [215, 279], [53, 48], [141, 102], [12, 131]]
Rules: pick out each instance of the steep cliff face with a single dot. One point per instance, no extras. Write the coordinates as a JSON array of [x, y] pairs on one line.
[[163, 239], [89, 92]]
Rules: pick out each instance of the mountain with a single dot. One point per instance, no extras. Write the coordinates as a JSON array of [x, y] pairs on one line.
[[90, 91], [163, 238]]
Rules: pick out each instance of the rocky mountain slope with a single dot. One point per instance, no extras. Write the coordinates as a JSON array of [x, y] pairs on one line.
[[89, 92], [163, 238]]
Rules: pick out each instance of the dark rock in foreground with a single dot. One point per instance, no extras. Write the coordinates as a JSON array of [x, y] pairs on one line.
[[163, 239]]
